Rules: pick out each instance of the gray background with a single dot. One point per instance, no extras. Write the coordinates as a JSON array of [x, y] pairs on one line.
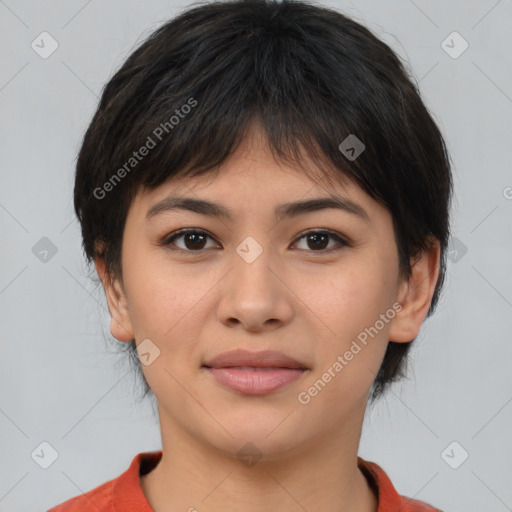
[[60, 382]]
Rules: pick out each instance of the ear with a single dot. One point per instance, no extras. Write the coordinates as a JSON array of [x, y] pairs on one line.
[[120, 322], [415, 294]]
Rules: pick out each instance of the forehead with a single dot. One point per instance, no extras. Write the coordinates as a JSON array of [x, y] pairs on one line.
[[252, 180]]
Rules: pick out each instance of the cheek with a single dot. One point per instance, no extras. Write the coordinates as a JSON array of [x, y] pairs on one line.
[[350, 309], [350, 353], [353, 296], [163, 300], [167, 310]]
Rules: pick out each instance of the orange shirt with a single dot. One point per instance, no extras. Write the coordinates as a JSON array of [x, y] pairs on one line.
[[124, 493]]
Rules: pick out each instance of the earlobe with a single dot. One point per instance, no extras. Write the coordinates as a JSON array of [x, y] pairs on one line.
[[120, 322], [415, 295]]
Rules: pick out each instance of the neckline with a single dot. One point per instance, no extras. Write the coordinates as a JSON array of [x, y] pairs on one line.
[[127, 493]]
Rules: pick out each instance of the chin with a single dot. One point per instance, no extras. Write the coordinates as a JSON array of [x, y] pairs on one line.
[[262, 440]]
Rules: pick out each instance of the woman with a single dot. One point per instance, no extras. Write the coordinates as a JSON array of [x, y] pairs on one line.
[[266, 200]]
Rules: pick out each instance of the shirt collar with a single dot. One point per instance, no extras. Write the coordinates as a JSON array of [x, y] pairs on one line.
[[127, 494]]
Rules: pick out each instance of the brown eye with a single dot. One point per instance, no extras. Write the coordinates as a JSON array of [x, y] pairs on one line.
[[193, 240], [318, 241]]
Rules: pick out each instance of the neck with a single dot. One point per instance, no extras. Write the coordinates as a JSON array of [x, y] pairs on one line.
[[322, 476]]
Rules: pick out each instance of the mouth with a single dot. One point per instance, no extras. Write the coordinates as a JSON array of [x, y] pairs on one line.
[[254, 373]]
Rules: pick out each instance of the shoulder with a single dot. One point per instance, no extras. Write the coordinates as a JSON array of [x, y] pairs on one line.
[[123, 493], [412, 505], [389, 499], [99, 498]]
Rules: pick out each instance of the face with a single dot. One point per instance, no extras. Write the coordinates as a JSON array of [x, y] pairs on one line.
[[320, 286]]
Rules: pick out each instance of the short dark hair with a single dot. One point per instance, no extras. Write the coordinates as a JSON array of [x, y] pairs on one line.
[[311, 76]]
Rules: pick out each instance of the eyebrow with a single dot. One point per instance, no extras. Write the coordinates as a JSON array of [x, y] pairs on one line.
[[286, 210]]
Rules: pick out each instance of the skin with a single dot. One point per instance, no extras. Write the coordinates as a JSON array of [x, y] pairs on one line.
[[303, 299]]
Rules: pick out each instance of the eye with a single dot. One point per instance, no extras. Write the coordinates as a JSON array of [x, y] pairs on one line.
[[318, 240], [194, 240]]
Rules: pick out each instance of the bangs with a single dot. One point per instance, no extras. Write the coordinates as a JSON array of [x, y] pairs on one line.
[[194, 104]]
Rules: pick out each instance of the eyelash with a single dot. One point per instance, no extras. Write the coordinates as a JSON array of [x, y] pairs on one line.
[[168, 240]]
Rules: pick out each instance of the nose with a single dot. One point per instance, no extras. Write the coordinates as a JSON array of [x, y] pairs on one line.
[[254, 295]]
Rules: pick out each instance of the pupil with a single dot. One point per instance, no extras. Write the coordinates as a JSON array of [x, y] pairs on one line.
[[314, 236], [192, 236]]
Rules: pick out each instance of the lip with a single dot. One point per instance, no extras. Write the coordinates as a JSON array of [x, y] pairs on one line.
[[261, 359], [254, 373]]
